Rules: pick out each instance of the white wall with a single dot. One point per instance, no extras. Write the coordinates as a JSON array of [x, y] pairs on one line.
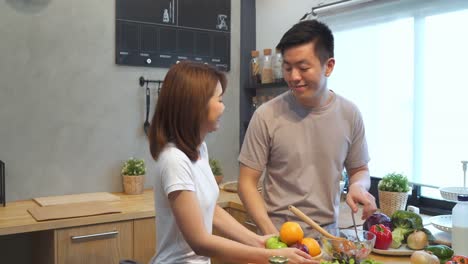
[[275, 17], [69, 115]]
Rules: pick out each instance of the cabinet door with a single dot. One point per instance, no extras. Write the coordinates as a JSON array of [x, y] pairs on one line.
[[95, 244], [144, 237], [244, 219]]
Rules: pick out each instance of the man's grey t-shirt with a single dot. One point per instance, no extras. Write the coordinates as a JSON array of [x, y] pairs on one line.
[[304, 152]]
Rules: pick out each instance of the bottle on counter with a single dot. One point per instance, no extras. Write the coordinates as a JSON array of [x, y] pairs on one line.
[[255, 78], [460, 226], [267, 67], [278, 66]]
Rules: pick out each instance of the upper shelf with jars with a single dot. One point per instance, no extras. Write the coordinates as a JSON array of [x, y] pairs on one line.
[[266, 71]]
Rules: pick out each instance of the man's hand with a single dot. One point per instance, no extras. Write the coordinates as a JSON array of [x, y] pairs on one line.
[[357, 194]]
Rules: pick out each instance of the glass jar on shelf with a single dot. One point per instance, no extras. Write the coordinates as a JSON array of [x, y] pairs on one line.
[[267, 67], [278, 66], [254, 71]]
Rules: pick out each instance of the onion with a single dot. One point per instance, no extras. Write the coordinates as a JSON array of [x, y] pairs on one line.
[[417, 240], [423, 257]]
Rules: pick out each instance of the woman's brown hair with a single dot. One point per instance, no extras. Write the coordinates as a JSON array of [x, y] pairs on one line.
[[182, 107]]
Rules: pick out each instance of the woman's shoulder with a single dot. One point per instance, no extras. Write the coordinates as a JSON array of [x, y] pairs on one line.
[[171, 154]]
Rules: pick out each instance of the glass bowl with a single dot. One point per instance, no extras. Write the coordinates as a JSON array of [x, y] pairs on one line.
[[345, 250]]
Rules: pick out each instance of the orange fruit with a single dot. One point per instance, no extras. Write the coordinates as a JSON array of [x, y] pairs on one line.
[[291, 232], [312, 245]]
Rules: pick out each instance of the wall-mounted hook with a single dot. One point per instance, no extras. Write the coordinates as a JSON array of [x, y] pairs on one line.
[[142, 81]]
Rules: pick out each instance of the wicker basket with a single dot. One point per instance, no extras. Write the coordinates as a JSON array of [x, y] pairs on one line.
[[133, 184], [392, 201], [451, 193]]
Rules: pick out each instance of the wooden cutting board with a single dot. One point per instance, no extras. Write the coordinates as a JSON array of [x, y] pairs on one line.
[[232, 186], [76, 198], [62, 211], [229, 186]]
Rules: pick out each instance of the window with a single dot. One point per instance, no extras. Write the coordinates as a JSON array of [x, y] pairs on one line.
[[406, 67]]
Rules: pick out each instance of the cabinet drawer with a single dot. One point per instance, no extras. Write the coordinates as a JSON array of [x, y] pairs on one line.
[[96, 244], [244, 219]]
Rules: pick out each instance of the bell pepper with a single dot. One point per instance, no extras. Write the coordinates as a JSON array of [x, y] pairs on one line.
[[458, 259], [383, 236]]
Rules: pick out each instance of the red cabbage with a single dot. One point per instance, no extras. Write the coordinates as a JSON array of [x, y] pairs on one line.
[[377, 218]]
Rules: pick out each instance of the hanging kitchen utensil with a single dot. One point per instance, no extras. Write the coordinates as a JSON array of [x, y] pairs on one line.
[[2, 183], [147, 123]]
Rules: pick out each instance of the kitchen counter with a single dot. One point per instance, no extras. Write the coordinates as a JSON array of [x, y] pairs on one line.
[[15, 219]]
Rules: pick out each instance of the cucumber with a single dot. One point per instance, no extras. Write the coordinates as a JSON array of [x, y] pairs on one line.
[[443, 252]]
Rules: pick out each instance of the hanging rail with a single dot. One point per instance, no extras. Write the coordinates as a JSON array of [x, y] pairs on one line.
[[142, 81]]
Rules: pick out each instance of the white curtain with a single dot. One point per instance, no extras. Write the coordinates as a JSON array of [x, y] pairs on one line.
[[404, 63]]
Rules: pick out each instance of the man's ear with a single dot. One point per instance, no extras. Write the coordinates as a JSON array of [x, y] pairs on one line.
[[330, 64]]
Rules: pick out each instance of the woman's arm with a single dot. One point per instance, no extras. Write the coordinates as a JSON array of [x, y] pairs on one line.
[[229, 227], [189, 219]]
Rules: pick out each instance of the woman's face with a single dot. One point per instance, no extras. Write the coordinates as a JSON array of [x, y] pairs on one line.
[[215, 111]]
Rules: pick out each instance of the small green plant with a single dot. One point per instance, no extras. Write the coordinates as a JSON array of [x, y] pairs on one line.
[[394, 182], [134, 167], [215, 167]]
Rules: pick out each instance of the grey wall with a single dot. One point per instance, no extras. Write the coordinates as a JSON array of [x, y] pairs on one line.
[[274, 18], [69, 116]]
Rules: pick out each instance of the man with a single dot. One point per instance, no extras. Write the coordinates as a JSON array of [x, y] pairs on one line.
[[303, 139]]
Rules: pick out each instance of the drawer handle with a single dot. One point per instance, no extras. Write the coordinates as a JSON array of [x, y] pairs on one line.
[[110, 233], [251, 224]]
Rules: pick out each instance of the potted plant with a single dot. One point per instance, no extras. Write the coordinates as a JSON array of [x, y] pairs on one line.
[[393, 192], [217, 171], [133, 173]]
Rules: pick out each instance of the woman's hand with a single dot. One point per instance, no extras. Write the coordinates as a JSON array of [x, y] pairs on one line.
[[295, 256], [262, 240]]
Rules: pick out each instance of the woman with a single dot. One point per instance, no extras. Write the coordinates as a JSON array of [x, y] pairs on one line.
[[189, 107]]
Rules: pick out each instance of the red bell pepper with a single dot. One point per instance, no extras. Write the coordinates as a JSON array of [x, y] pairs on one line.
[[383, 236], [458, 259]]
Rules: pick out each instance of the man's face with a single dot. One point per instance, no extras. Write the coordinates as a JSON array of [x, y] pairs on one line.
[[305, 75]]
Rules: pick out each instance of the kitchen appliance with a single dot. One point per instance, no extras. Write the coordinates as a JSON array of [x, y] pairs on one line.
[[2, 183]]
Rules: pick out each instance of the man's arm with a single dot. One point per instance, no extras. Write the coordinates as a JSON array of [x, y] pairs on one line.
[[252, 199], [359, 183]]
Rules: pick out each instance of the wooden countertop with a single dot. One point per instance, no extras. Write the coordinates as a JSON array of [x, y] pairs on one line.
[[14, 218]]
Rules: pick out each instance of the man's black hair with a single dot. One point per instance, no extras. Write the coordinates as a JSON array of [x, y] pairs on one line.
[[309, 31]]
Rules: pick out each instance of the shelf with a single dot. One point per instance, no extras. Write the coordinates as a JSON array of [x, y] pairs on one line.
[[268, 85]]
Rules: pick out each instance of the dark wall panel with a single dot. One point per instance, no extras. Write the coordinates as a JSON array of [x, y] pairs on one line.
[[158, 33]]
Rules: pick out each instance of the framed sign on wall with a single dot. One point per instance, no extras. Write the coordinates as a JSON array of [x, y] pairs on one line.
[[158, 33]]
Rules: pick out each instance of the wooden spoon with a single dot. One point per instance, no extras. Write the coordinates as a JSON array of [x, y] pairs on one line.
[[349, 245], [312, 223]]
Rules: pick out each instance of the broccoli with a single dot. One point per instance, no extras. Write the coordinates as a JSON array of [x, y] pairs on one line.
[[404, 223]]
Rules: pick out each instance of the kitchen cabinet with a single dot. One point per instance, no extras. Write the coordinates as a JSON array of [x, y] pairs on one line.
[[144, 239], [93, 244], [98, 244], [242, 217]]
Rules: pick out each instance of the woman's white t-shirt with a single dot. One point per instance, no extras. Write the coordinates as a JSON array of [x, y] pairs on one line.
[[175, 172]]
